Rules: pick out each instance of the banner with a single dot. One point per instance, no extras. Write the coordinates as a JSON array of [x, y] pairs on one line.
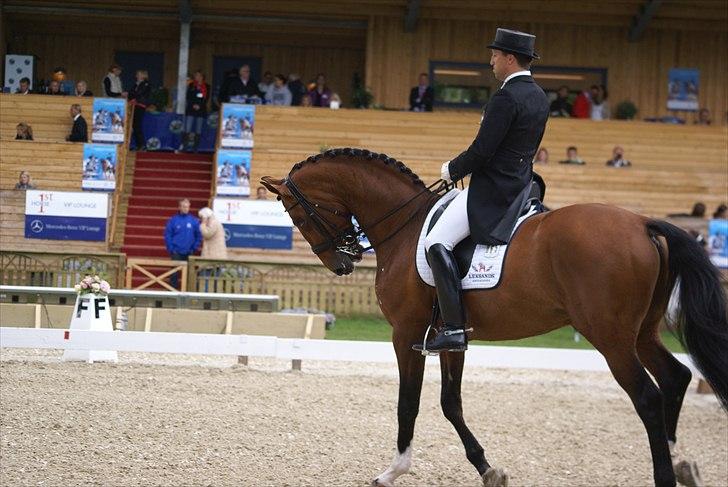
[[60, 215], [682, 89], [236, 129], [718, 242], [99, 167], [233, 172], [108, 120], [254, 223]]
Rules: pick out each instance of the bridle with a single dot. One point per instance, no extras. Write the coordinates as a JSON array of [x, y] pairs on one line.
[[346, 240]]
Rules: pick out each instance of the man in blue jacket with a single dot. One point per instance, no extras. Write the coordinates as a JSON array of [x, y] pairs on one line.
[[182, 236]]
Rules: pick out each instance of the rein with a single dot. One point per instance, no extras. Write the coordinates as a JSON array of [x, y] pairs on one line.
[[346, 240]]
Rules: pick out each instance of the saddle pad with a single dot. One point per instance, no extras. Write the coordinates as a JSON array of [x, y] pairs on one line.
[[486, 265]]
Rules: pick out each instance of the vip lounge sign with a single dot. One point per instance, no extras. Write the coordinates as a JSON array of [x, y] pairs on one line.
[[254, 223], [60, 215]]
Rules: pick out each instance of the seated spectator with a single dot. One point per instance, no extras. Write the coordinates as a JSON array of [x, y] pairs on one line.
[[82, 89], [278, 93], [542, 156], [618, 159], [24, 181], [112, 83], [261, 193], [266, 83], [561, 107], [295, 86], [23, 131], [320, 94], [54, 88], [572, 157], [213, 235], [306, 100], [79, 132], [335, 102], [703, 117], [243, 85], [23, 87], [599, 105], [698, 212], [582, 105], [721, 212], [421, 96]]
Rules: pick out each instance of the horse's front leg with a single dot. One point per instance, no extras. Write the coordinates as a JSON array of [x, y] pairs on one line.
[[411, 367], [451, 367]]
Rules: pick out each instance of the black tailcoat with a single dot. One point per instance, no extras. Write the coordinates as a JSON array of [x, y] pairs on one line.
[[500, 158], [79, 131]]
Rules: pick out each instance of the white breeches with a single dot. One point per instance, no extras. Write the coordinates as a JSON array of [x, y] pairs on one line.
[[453, 226]]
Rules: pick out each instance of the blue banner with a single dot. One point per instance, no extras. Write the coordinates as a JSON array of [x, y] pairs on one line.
[[718, 242], [258, 236], [109, 117], [65, 228], [238, 125], [164, 131], [683, 86], [99, 167]]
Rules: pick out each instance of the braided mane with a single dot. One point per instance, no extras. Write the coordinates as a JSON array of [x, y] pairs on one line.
[[365, 154]]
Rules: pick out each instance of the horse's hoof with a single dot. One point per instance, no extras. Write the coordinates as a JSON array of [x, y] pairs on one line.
[[378, 483], [687, 474], [495, 477]]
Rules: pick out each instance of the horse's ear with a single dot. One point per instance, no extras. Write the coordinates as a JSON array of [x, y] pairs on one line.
[[275, 186]]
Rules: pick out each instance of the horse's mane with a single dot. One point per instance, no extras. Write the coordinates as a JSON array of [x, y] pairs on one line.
[[362, 154]]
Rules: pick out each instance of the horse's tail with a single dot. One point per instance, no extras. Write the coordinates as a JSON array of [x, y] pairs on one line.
[[702, 318]]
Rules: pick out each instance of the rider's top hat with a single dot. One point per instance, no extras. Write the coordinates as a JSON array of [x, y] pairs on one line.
[[516, 42]]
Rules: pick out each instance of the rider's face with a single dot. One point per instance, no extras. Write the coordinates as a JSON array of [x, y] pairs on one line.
[[499, 62]]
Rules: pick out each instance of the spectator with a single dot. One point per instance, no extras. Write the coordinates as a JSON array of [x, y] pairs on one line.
[[261, 193], [582, 105], [279, 94], [320, 94], [335, 102], [698, 210], [561, 107], [23, 131], [703, 117], [213, 236], [182, 236], [54, 88], [721, 212], [198, 94], [243, 85], [266, 83], [24, 181], [82, 89], [618, 159], [79, 131], [295, 86], [542, 156], [421, 96], [572, 157], [23, 87], [139, 97], [599, 106], [306, 101], [112, 83]]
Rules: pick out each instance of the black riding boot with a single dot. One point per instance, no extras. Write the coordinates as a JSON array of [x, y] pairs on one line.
[[450, 297]]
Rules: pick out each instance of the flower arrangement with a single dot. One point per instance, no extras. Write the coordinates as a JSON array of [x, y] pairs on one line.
[[92, 284]]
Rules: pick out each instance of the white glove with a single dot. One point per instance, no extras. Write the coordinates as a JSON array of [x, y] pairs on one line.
[[445, 171]]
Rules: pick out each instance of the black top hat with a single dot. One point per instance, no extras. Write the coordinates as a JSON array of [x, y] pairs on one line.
[[516, 42]]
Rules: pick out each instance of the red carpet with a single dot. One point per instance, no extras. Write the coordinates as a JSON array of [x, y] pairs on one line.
[[160, 180]]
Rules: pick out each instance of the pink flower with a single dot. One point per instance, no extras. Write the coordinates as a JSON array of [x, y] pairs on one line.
[[105, 287], [88, 280], [84, 284]]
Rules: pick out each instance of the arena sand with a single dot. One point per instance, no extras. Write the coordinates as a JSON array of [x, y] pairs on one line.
[[203, 421]]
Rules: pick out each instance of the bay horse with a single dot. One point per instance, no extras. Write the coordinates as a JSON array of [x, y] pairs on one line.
[[605, 271]]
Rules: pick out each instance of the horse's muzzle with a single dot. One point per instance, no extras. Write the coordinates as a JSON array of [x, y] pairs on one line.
[[346, 265]]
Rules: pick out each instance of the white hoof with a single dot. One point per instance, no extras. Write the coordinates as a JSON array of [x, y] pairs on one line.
[[495, 477], [687, 473]]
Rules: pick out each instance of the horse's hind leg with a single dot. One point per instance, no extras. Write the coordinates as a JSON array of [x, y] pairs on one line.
[[451, 367], [673, 379]]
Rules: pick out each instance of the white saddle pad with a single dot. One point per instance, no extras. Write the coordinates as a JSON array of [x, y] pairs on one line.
[[487, 263]]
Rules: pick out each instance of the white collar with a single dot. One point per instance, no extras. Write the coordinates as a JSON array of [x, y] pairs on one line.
[[76, 117], [525, 72]]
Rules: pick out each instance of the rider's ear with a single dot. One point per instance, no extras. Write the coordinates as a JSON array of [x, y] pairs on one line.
[[275, 186]]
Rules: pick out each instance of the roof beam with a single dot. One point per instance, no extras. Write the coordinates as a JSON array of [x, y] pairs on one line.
[[411, 15], [642, 19]]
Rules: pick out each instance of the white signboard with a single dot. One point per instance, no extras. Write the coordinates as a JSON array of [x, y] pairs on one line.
[[254, 223], [61, 215]]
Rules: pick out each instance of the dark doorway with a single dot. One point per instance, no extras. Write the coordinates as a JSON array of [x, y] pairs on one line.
[[131, 61], [224, 64]]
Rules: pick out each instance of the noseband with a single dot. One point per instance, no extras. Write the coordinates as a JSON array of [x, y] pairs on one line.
[[346, 240]]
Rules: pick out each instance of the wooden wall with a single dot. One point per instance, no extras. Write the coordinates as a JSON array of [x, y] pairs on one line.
[[636, 71]]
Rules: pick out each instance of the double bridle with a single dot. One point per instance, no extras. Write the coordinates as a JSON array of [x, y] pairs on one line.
[[346, 240]]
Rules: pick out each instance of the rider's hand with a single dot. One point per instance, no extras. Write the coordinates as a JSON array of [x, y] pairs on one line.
[[445, 171]]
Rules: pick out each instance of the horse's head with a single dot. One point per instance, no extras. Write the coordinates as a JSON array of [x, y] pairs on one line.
[[324, 223]]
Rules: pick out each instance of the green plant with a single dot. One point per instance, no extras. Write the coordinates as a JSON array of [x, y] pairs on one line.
[[626, 110], [360, 96]]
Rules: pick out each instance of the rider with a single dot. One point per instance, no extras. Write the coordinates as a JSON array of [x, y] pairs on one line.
[[499, 160]]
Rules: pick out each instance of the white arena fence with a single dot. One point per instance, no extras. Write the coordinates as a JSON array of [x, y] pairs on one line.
[[294, 349]]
